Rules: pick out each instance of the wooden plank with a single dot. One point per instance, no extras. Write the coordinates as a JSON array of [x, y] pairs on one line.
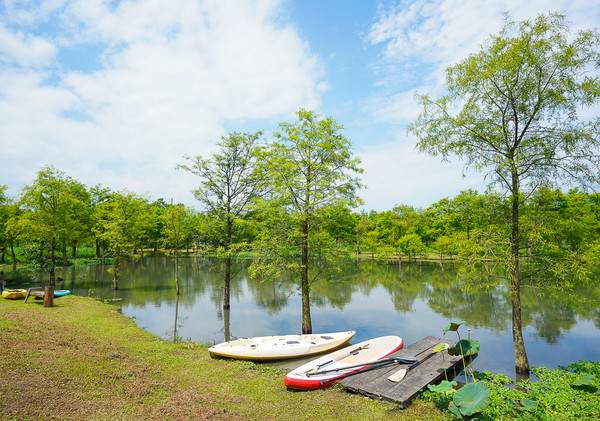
[[375, 383], [35, 291]]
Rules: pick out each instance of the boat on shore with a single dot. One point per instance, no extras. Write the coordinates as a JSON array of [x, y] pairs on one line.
[[280, 347], [61, 293], [326, 370], [14, 294]]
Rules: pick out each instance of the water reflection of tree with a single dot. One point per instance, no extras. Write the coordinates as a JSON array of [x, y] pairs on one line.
[[550, 317], [483, 305], [337, 292], [402, 283], [479, 308], [273, 296]]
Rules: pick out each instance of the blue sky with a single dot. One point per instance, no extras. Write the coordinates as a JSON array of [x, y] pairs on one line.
[[117, 92]]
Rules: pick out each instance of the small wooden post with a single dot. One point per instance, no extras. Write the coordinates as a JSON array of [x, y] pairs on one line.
[[49, 290], [49, 296]]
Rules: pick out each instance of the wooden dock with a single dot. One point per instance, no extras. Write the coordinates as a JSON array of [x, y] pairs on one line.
[[375, 383]]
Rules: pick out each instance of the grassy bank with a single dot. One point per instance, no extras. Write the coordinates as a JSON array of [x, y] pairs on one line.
[[82, 359]]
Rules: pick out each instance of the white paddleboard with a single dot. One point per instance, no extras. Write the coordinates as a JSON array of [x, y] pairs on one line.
[[280, 347]]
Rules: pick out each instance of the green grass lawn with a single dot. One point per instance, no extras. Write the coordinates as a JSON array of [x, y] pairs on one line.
[[81, 359]]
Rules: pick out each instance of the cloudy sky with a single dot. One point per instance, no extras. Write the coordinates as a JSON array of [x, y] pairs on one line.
[[117, 92]]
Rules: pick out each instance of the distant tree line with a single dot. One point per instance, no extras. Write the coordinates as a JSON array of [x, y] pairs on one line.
[[59, 213]]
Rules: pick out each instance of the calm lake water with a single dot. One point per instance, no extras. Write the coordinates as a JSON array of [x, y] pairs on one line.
[[375, 299]]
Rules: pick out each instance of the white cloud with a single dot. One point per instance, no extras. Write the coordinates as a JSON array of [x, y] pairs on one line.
[[395, 173], [172, 74], [418, 40], [445, 31], [24, 49]]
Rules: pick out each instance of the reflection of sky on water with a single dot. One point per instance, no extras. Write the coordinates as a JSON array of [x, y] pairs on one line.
[[381, 301]]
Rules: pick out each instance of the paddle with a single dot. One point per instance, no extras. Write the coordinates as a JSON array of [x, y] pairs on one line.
[[399, 360], [364, 370], [353, 352], [399, 375]]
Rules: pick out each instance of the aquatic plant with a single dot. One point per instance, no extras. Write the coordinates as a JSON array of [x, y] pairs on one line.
[[471, 399]]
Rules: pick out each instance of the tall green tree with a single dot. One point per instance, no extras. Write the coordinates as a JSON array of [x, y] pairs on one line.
[[311, 170], [55, 206], [365, 231], [98, 197], [4, 217], [519, 102], [229, 180], [177, 227], [156, 223], [121, 222]]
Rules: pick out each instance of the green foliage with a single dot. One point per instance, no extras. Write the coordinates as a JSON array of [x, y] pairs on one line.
[[445, 387], [54, 212], [177, 224], [411, 244], [585, 381], [552, 397], [311, 173], [229, 180], [453, 327], [512, 112], [465, 347], [470, 399]]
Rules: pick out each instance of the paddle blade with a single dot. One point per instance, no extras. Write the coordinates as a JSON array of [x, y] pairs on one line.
[[398, 375]]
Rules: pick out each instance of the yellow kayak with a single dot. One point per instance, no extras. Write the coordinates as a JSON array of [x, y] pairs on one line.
[[14, 294]]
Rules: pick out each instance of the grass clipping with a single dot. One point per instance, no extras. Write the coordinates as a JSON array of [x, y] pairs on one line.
[[82, 359]]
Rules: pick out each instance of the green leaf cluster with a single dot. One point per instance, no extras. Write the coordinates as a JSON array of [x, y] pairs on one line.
[[569, 392]]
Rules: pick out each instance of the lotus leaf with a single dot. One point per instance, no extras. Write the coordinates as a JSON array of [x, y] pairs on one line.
[[528, 405], [472, 398], [583, 381], [440, 347], [465, 347], [454, 409], [453, 326], [444, 387]]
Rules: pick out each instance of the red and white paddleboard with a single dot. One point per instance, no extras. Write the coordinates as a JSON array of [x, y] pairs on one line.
[[322, 371]]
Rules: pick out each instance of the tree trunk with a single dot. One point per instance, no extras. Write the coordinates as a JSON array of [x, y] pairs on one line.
[[49, 296], [306, 319], [177, 267], [175, 339], [12, 255], [399, 257], [97, 249], [116, 272], [226, 297], [49, 290], [73, 250], [227, 324], [521, 361]]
